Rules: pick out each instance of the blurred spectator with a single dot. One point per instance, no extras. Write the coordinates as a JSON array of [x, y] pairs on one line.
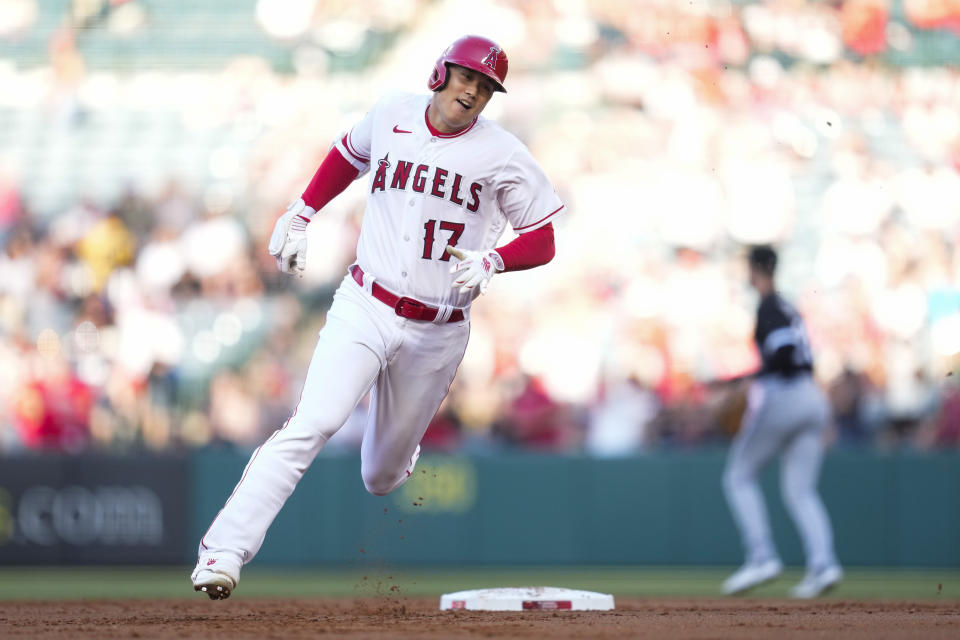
[[443, 432], [105, 247], [850, 396], [948, 419], [619, 424], [11, 205], [234, 412], [865, 25], [929, 14], [910, 403], [534, 420], [53, 409]]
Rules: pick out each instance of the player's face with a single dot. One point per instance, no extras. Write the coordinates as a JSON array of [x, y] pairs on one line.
[[465, 96]]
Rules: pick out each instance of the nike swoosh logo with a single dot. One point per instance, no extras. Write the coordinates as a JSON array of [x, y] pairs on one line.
[[397, 130]]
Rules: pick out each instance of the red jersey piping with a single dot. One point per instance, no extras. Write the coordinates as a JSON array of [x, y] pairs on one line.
[[538, 221]]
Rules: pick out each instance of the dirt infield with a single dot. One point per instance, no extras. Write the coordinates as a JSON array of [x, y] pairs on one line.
[[419, 618]]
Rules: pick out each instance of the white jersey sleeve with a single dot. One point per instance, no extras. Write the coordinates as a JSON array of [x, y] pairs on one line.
[[351, 146], [356, 144], [524, 193]]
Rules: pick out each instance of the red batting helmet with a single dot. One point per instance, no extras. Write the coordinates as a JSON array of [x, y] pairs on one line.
[[472, 52]]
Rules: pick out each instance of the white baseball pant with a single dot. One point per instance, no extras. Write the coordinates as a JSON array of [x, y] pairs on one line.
[[408, 365], [785, 417]]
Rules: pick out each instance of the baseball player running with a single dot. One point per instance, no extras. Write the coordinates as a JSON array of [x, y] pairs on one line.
[[444, 183], [786, 414]]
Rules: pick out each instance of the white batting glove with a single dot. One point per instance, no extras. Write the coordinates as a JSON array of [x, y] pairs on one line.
[[475, 268], [288, 243]]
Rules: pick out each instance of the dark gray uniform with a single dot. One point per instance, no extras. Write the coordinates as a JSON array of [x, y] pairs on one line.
[[786, 415]]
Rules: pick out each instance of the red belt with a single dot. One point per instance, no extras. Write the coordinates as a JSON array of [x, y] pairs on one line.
[[403, 306]]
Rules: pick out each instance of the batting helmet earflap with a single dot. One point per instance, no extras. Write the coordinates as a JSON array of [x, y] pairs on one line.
[[473, 52]]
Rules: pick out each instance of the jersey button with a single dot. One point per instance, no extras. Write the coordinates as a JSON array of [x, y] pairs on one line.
[[433, 139], [407, 238], [403, 273], [412, 202]]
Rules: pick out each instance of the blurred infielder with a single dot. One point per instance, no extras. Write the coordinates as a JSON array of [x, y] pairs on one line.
[[444, 183], [786, 415]]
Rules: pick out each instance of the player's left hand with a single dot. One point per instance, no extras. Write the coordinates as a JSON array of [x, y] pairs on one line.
[[288, 244], [475, 268]]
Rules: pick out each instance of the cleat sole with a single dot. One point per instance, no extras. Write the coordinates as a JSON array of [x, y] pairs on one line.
[[215, 591]]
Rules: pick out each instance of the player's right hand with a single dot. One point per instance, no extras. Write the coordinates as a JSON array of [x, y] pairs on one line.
[[288, 243]]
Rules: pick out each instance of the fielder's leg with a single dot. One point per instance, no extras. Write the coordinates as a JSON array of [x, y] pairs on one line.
[[344, 366], [800, 470], [757, 442]]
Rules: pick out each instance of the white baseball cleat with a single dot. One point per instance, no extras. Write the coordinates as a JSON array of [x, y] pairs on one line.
[[818, 583], [751, 575], [216, 584]]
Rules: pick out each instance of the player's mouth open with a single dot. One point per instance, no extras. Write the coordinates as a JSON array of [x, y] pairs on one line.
[[466, 107]]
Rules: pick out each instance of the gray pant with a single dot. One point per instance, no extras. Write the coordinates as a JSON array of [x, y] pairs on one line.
[[785, 417]]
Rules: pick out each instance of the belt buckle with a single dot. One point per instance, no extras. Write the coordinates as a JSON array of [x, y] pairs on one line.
[[409, 308]]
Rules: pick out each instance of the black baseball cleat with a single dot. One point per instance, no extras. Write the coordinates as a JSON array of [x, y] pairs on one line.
[[215, 591]]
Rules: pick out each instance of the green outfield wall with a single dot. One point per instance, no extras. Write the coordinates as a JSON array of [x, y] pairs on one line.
[[660, 509]]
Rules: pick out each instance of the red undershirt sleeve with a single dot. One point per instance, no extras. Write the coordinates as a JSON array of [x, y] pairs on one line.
[[334, 175], [529, 250]]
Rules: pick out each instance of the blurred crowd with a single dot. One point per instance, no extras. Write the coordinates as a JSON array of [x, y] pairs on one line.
[[139, 308]]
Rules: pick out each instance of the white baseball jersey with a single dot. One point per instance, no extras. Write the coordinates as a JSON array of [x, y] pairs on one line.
[[427, 190]]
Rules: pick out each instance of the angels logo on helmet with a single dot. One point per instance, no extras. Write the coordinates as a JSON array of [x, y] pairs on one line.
[[491, 59]]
